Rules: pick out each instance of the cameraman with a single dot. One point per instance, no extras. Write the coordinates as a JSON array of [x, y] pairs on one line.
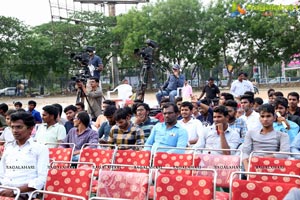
[[95, 63], [94, 96], [174, 81]]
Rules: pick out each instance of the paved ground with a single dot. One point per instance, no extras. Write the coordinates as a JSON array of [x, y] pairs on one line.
[[149, 98]]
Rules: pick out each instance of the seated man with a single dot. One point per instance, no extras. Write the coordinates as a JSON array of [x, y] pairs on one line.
[[267, 139], [143, 120], [104, 130], [295, 146], [169, 88], [80, 134], [220, 135], [168, 134], [125, 132], [24, 163], [50, 131]]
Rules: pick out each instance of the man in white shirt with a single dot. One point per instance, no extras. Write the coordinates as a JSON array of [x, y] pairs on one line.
[[50, 131], [250, 116], [220, 135], [193, 126], [239, 86], [24, 163]]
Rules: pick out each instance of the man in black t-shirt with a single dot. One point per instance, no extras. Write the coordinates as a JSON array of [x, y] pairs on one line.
[[211, 90]]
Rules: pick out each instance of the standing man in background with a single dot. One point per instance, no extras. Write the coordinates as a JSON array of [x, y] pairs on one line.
[[94, 97], [211, 90], [95, 62], [239, 86]]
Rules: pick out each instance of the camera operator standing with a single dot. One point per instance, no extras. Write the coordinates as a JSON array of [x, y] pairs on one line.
[[93, 96], [95, 63]]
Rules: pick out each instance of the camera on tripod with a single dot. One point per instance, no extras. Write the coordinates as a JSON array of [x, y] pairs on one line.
[[146, 52], [83, 57]]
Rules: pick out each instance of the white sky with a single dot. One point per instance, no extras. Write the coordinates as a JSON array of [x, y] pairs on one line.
[[36, 12]]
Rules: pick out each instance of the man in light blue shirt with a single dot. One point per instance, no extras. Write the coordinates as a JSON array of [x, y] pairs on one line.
[[169, 133], [174, 81], [282, 124], [295, 146]]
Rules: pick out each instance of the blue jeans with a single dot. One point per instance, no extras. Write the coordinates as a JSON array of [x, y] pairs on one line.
[[163, 93]]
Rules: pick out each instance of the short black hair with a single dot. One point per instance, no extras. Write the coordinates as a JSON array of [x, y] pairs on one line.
[[170, 104], [18, 103], [178, 99], [70, 107], [121, 113], [145, 105], [94, 78], [81, 104], [187, 104], [222, 110], [278, 94], [206, 101], [10, 111], [31, 102], [211, 79], [270, 90], [109, 102], [281, 101], [266, 108], [51, 110], [249, 93], [248, 97], [84, 118], [227, 96], [240, 73], [109, 110], [165, 100], [27, 118], [258, 100], [294, 94], [231, 103], [59, 107], [4, 107]]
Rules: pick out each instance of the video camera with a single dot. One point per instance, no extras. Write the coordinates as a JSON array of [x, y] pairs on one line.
[[83, 57], [146, 52]]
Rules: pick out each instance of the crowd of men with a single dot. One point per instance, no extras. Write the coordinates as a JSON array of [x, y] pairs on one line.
[[238, 120]]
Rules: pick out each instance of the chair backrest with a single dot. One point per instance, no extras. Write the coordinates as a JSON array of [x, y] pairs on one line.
[[120, 184], [55, 195], [74, 181], [165, 159], [223, 164], [61, 154], [135, 156], [3, 187], [180, 186], [273, 165], [101, 155], [251, 189], [124, 91]]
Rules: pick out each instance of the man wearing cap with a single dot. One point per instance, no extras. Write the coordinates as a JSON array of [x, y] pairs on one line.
[[211, 90], [174, 81]]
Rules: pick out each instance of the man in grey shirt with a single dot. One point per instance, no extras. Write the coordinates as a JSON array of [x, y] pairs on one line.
[[267, 139]]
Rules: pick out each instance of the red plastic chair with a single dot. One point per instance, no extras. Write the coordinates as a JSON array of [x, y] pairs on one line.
[[181, 186], [56, 195], [73, 181], [273, 165], [134, 156], [102, 154], [61, 154], [251, 189], [122, 184], [223, 164]]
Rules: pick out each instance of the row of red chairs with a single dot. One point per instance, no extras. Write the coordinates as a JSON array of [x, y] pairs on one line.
[[125, 174]]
